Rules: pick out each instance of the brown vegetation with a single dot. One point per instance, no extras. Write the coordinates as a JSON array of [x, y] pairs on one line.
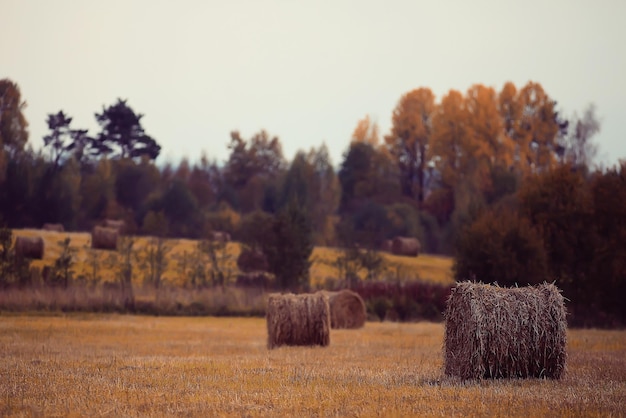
[[53, 227], [29, 247], [251, 260], [494, 332], [347, 309], [104, 238], [405, 246], [298, 320]]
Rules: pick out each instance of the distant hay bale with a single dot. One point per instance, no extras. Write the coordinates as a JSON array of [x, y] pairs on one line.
[[386, 246], [494, 332], [219, 236], [29, 247], [405, 246], [298, 320], [53, 227], [347, 309], [103, 238], [114, 224]]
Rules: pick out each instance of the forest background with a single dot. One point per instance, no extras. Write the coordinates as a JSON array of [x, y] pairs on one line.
[[498, 179]]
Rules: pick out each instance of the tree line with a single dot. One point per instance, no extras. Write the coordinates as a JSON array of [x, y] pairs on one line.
[[443, 166]]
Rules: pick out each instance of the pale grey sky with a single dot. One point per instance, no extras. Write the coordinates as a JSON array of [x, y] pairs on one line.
[[304, 71]]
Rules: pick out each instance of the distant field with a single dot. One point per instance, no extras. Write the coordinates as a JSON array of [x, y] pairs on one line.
[[425, 267], [113, 365]]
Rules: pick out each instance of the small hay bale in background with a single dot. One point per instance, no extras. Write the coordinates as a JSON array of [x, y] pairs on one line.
[[29, 247], [298, 320], [387, 246], [405, 246], [103, 238], [347, 309], [219, 236], [117, 224], [494, 332], [53, 227]]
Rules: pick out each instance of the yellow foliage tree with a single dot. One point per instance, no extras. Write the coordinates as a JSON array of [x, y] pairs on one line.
[[409, 139]]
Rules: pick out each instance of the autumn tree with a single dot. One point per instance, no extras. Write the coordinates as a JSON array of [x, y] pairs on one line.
[[409, 140], [558, 203], [288, 248], [251, 168], [13, 124], [579, 148], [325, 193], [501, 246], [122, 135]]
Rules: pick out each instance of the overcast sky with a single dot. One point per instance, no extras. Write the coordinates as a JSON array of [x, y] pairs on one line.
[[304, 71]]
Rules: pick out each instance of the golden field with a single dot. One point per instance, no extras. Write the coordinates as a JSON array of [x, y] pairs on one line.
[[117, 365], [426, 267]]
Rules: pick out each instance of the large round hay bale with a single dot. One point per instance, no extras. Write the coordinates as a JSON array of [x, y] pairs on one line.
[[298, 320], [53, 227], [405, 246], [29, 247], [494, 332], [114, 224], [103, 238], [347, 309]]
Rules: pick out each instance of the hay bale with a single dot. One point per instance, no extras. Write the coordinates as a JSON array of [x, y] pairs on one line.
[[219, 236], [53, 227], [298, 320], [115, 224], [386, 246], [29, 247], [103, 238], [406, 246], [347, 309], [494, 332]]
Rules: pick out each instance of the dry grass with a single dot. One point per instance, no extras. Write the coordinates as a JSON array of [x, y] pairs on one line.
[[425, 267], [110, 365]]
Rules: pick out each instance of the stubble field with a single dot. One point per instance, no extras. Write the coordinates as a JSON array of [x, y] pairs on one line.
[[117, 365]]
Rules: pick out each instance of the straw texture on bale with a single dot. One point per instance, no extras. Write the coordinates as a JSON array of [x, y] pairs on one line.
[[53, 227], [29, 247], [114, 224], [347, 309], [405, 246], [494, 332], [298, 320], [103, 238]]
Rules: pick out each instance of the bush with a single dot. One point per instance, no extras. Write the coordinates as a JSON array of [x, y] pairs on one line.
[[501, 247]]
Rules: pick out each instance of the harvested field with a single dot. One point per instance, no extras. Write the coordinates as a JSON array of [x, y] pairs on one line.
[[110, 365]]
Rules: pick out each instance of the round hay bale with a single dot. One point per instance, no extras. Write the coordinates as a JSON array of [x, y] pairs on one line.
[[387, 245], [298, 320], [347, 309], [405, 246], [29, 247], [114, 224], [103, 238], [494, 332], [53, 227], [219, 236]]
